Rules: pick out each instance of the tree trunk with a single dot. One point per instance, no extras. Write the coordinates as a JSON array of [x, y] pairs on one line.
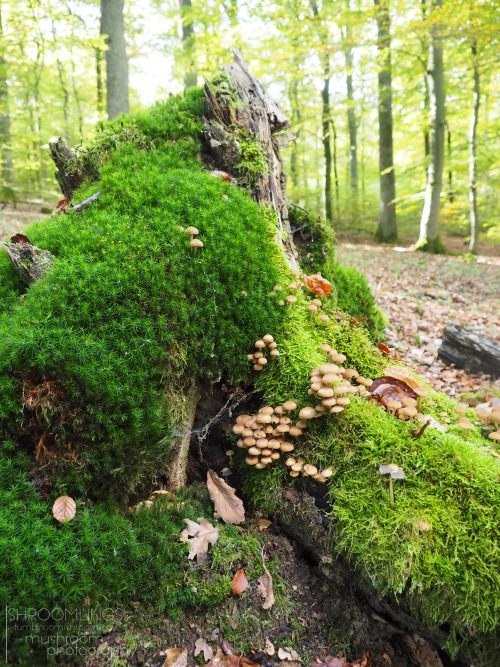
[[387, 230], [117, 96], [429, 224], [7, 175], [294, 156], [351, 121], [64, 88], [98, 72], [450, 193], [190, 73], [474, 213], [335, 170]]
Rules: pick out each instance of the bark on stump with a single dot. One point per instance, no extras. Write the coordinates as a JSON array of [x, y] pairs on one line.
[[466, 349], [29, 261]]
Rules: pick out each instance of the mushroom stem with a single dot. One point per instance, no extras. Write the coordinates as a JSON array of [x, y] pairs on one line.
[[391, 489]]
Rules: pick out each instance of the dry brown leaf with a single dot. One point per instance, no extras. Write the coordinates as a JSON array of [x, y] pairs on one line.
[[330, 661], [161, 493], [263, 524], [317, 284], [365, 661], [227, 505], [176, 657], [199, 536], [265, 586], [64, 509], [239, 583], [201, 645], [287, 653]]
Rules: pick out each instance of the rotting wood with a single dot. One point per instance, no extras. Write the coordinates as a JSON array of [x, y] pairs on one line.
[[30, 262], [177, 477], [246, 109], [70, 174], [466, 349]]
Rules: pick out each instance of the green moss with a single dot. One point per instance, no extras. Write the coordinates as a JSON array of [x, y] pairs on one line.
[[434, 246], [253, 162]]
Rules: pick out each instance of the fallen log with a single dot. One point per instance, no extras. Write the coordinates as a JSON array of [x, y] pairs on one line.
[[466, 349], [31, 262]]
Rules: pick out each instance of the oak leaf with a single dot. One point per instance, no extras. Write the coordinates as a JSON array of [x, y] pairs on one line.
[[199, 536], [317, 284], [227, 505], [176, 657], [239, 582], [64, 509], [201, 645]]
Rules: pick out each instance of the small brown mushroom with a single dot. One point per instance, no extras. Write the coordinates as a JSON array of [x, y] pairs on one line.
[[196, 243], [324, 318], [259, 344], [230, 454], [291, 299], [465, 424], [274, 353], [252, 460], [460, 409], [289, 406], [312, 309], [394, 472], [307, 413], [317, 303], [290, 462], [192, 231]]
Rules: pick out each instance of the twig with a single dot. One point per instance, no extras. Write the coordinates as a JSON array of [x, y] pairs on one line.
[[417, 435], [85, 202], [300, 207]]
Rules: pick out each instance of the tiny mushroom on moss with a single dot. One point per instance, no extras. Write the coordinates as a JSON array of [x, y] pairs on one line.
[[291, 299], [460, 409], [289, 406], [324, 318], [196, 243], [312, 309], [465, 424], [230, 454], [307, 413], [394, 472], [192, 231], [268, 338]]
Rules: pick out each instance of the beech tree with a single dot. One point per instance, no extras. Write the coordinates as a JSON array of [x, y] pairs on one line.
[[387, 230], [113, 30], [429, 223], [7, 175]]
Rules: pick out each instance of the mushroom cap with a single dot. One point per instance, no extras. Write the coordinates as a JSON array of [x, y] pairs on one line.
[[318, 304], [279, 410], [321, 409], [393, 470], [394, 405], [312, 308], [275, 456], [290, 462], [267, 410], [259, 344], [325, 392], [262, 443], [350, 373], [297, 467], [460, 409], [274, 353], [238, 428], [260, 465], [338, 358], [247, 432], [254, 451], [240, 444], [262, 361], [336, 408], [258, 367], [287, 447], [325, 347], [329, 402], [295, 431], [266, 451], [324, 318], [281, 302], [494, 435], [268, 338], [364, 381], [196, 243], [408, 401], [325, 369], [249, 441], [291, 299], [327, 472], [192, 230], [301, 424], [282, 428], [343, 400], [250, 357], [294, 473], [252, 460], [307, 413], [466, 424], [330, 378], [241, 419], [289, 405], [263, 418], [272, 345], [482, 414], [309, 469], [258, 355], [230, 452]]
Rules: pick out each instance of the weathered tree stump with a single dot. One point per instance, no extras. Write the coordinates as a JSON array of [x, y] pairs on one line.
[[31, 262], [70, 173], [466, 349]]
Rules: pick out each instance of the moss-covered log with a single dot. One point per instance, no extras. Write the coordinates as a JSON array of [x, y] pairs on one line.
[[97, 359]]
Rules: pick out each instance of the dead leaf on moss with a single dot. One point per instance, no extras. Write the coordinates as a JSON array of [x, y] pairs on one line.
[[176, 657], [199, 536], [200, 646], [317, 284], [239, 583], [227, 505], [265, 586], [269, 647], [286, 653], [263, 524], [161, 493], [64, 509]]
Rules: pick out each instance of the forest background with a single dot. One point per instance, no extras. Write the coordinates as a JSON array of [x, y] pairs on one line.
[[383, 95]]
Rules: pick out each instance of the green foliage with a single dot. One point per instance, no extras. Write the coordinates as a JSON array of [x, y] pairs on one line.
[[129, 309]]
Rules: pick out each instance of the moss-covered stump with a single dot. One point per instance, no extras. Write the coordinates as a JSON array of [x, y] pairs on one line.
[[96, 360]]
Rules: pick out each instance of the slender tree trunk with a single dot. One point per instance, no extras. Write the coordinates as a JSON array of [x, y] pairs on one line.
[[7, 175], [335, 170], [351, 121], [296, 117], [98, 71], [429, 224], [327, 146], [117, 93], [387, 230], [474, 213], [64, 88], [190, 73], [450, 193]]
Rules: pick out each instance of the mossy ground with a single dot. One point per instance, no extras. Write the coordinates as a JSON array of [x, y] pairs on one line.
[[93, 361]]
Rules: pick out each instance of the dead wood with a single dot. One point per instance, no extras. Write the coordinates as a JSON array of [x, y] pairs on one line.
[[466, 349], [177, 477], [70, 173], [29, 261]]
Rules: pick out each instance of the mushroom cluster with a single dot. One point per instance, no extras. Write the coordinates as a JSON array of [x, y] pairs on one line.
[[300, 467], [265, 434], [194, 243], [259, 359], [331, 383]]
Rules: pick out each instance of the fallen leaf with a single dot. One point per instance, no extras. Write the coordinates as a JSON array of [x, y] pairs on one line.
[[227, 505], [223, 175], [176, 657], [265, 586], [287, 653], [269, 648], [161, 492], [365, 661], [263, 524], [64, 509], [61, 205], [332, 662], [199, 536], [19, 238], [239, 582], [201, 645], [317, 284]]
